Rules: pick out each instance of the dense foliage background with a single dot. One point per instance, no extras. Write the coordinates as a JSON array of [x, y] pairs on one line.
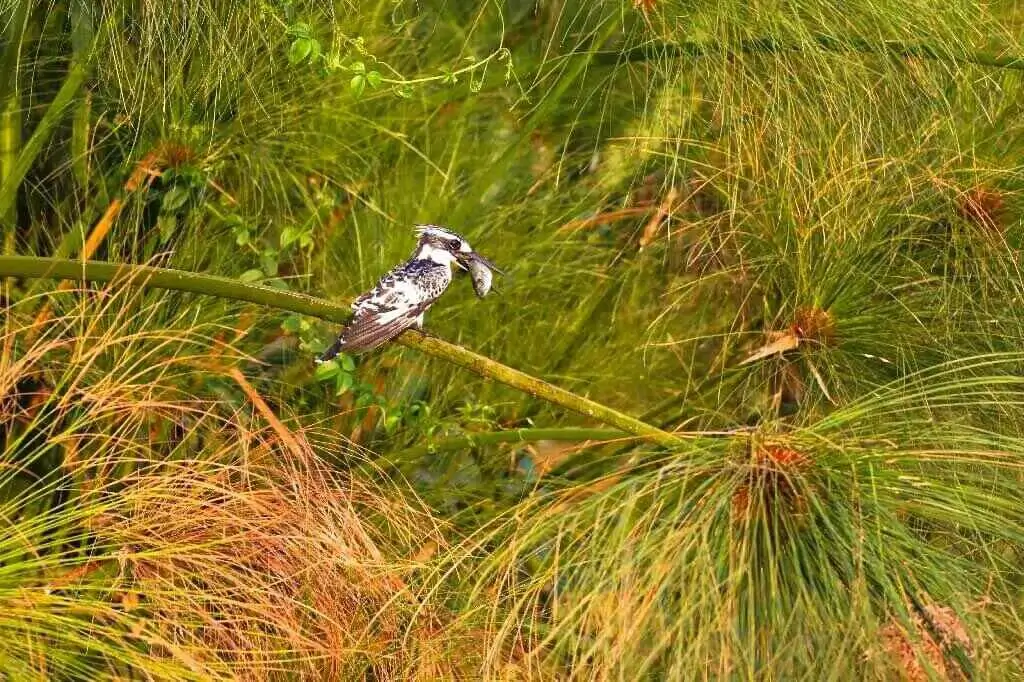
[[787, 233]]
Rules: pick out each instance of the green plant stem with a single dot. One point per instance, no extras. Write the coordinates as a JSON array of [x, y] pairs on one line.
[[179, 280], [827, 43], [570, 435], [10, 111], [12, 181], [82, 36], [10, 144]]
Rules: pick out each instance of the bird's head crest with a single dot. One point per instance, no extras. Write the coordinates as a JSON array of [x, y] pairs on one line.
[[442, 238], [443, 245]]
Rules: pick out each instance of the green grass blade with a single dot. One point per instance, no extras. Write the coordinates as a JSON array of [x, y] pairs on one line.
[[72, 83]]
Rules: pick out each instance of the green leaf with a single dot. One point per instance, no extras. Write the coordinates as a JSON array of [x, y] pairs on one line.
[[373, 79], [448, 76], [326, 371], [278, 283], [292, 324], [343, 383], [357, 85], [288, 236], [299, 50], [167, 225], [300, 30], [251, 275], [315, 50], [403, 90], [242, 236], [14, 175], [348, 363], [268, 261], [174, 199], [357, 67]]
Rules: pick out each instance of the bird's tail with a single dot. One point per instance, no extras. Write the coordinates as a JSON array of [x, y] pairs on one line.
[[331, 352]]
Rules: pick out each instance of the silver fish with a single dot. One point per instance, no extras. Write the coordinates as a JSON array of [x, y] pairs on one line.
[[482, 277], [480, 269]]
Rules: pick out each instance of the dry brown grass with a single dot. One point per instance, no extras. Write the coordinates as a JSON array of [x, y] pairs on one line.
[[924, 653], [271, 566], [206, 540]]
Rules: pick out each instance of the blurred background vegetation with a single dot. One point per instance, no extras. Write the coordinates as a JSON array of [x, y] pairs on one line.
[[787, 232]]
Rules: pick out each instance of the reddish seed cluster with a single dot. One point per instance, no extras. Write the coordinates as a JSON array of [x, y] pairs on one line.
[[815, 325], [175, 154], [982, 207], [770, 478], [783, 458]]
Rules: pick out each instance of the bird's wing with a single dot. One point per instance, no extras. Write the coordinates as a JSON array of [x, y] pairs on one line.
[[384, 312], [369, 330]]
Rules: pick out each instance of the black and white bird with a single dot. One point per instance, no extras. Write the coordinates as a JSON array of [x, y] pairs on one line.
[[404, 294]]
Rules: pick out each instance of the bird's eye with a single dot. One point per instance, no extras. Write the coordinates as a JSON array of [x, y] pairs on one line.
[[454, 243]]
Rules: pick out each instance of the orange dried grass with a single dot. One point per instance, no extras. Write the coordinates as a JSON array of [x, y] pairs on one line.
[[814, 324], [262, 560], [225, 549], [913, 654], [246, 567]]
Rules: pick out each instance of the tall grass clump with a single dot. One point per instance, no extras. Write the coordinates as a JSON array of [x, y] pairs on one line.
[[774, 245], [882, 540], [156, 528], [814, 228]]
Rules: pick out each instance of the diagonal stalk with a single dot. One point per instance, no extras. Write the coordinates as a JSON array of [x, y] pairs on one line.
[[532, 435], [179, 280], [655, 51], [82, 38], [47, 125], [10, 110]]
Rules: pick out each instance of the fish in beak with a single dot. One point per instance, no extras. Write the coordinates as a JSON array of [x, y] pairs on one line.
[[481, 271]]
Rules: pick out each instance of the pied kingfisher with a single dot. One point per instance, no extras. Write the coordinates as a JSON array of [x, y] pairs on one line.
[[404, 294]]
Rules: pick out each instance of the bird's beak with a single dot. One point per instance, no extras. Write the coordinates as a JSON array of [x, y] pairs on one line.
[[466, 258]]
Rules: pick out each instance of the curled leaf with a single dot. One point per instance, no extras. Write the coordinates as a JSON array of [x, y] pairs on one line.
[[300, 30], [778, 342]]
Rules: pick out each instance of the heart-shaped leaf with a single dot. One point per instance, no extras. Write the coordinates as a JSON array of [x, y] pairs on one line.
[[300, 50], [326, 371], [357, 85]]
